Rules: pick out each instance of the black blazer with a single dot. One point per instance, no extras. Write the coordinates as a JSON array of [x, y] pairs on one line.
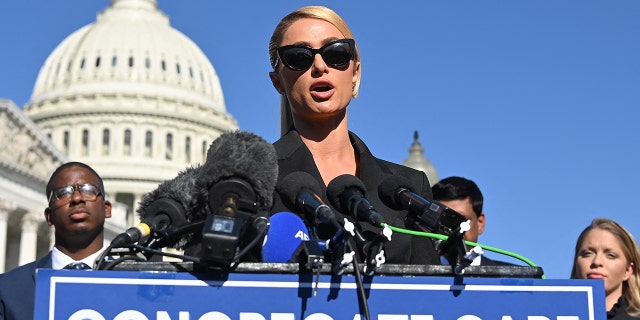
[[293, 156], [18, 290]]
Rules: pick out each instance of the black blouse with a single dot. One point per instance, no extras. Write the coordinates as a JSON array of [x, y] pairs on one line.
[[293, 155], [619, 311]]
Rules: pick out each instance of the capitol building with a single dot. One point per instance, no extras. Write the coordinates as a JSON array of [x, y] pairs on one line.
[[127, 94]]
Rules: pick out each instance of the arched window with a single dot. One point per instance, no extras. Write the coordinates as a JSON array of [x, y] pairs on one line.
[[169, 147], [105, 142], [65, 142], [148, 144], [127, 142], [97, 62], [85, 142], [187, 149], [204, 150]]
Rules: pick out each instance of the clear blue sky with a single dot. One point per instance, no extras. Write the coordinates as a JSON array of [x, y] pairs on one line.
[[537, 101]]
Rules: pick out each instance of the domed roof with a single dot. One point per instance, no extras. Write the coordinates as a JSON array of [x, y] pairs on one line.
[[131, 48], [418, 161], [131, 96]]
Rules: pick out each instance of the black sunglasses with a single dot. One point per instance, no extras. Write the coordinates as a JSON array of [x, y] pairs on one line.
[[336, 54]]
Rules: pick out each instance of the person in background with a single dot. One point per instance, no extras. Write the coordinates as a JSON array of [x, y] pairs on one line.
[[77, 210], [606, 250], [464, 196], [316, 70]]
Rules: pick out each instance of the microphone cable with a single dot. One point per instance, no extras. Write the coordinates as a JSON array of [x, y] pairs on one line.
[[103, 264], [362, 297], [101, 260], [247, 248], [483, 246], [166, 254], [111, 264]]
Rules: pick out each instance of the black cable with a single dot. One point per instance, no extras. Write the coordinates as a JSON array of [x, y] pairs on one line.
[[101, 259], [250, 245], [166, 254], [115, 262], [360, 286]]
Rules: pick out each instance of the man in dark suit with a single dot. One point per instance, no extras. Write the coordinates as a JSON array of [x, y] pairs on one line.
[[77, 210], [464, 196]]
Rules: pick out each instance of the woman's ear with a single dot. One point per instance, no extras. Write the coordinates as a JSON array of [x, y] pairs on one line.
[[355, 78], [275, 81], [629, 271]]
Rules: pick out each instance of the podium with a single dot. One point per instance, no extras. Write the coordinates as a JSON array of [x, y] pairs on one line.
[[280, 291]]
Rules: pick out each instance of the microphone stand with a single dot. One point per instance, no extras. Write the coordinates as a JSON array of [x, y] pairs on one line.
[[455, 249], [467, 260], [342, 254], [374, 251], [451, 224], [170, 236]]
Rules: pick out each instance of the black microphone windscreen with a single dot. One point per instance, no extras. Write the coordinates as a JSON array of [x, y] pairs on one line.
[[293, 183], [337, 187], [174, 198], [242, 155], [388, 189], [178, 189]]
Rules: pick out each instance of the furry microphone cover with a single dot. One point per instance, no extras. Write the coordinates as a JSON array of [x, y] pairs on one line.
[[242, 155], [178, 189]]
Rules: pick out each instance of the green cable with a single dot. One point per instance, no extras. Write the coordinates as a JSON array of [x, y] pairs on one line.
[[443, 237]]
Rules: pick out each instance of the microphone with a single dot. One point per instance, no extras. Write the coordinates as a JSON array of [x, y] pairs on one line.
[[170, 204], [396, 193], [347, 194], [300, 193], [288, 241], [286, 234], [236, 182]]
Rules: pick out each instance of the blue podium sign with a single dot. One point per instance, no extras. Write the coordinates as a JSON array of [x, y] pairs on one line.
[[133, 295]]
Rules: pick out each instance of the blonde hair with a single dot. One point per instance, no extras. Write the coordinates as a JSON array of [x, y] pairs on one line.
[[631, 287], [314, 12]]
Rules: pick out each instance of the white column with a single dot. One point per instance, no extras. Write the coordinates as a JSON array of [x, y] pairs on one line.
[[28, 239], [4, 216]]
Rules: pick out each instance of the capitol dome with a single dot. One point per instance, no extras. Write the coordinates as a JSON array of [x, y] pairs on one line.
[[131, 96], [418, 161]]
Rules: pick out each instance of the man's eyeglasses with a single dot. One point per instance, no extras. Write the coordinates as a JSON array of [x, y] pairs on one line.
[[88, 191], [337, 53]]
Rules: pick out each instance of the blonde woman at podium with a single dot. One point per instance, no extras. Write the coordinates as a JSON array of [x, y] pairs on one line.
[[316, 71], [606, 250]]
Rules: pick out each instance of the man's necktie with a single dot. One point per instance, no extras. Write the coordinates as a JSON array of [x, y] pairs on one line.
[[77, 266]]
